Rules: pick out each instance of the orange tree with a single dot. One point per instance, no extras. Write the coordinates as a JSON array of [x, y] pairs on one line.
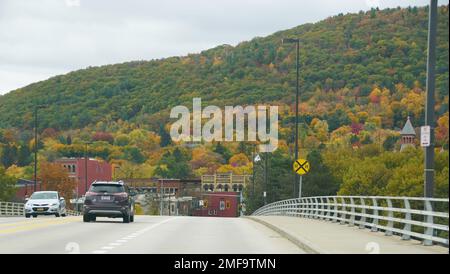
[[55, 177]]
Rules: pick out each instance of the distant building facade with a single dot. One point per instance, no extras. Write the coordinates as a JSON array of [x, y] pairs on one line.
[[97, 170], [218, 204], [224, 182], [408, 135]]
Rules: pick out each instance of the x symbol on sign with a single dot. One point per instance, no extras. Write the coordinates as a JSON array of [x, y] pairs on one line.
[[301, 166]]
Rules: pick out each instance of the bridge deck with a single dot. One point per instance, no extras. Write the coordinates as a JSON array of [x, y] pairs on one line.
[[326, 237]]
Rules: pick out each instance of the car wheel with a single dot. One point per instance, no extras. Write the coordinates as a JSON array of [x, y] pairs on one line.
[[63, 215], [126, 218], [93, 218], [86, 218], [34, 216], [27, 215], [57, 215], [132, 218]]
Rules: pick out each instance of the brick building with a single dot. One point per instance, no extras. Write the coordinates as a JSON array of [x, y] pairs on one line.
[[96, 170], [177, 187]]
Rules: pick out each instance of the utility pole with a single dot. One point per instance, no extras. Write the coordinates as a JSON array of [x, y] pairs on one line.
[[266, 175], [36, 143], [429, 108], [35, 147], [297, 100], [253, 170]]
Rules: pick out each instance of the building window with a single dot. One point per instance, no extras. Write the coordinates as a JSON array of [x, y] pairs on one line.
[[228, 204]]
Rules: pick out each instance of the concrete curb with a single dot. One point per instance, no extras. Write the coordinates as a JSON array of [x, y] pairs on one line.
[[301, 243]]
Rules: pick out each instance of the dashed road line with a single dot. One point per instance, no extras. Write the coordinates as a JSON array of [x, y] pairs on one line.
[[125, 239]]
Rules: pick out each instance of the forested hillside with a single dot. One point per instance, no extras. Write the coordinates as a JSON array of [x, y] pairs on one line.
[[342, 55], [361, 75]]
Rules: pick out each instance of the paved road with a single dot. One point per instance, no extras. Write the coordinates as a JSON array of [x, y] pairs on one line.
[[148, 234]]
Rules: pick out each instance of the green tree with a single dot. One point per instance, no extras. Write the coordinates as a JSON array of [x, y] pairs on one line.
[[7, 184], [165, 136], [174, 165], [23, 156], [319, 181], [9, 155], [222, 150]]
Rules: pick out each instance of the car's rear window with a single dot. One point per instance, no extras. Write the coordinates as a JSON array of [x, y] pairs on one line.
[[107, 188]]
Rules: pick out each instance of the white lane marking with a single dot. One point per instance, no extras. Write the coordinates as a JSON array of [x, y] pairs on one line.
[[105, 249]]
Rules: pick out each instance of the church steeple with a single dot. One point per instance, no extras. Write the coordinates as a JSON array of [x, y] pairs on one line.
[[408, 135]]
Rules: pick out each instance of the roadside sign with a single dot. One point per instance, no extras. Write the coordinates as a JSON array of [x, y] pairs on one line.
[[301, 166], [425, 136], [257, 158]]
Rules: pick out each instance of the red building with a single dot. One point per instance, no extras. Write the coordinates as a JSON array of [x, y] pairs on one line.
[[96, 171], [24, 188], [218, 204]]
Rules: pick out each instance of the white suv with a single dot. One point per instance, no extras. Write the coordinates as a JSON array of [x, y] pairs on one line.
[[45, 203]]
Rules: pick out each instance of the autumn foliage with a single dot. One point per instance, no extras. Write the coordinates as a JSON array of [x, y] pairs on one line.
[[55, 177]]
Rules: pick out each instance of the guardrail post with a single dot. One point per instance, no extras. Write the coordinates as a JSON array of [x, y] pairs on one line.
[[429, 220], [335, 210], [304, 203], [352, 217], [362, 221], [343, 209], [375, 215], [327, 213], [390, 223], [316, 208], [407, 227], [308, 208], [321, 209]]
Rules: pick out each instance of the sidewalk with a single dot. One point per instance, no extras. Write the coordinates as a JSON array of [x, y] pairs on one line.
[[325, 237]]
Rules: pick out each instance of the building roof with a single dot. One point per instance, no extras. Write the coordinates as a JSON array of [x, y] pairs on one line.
[[408, 129]]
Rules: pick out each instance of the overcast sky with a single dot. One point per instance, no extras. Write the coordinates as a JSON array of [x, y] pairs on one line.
[[43, 38]]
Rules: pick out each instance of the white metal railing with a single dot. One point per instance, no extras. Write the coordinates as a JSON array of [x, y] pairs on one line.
[[11, 209], [8, 209], [420, 218]]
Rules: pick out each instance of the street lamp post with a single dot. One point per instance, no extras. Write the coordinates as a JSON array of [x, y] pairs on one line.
[[429, 108], [297, 42], [36, 142]]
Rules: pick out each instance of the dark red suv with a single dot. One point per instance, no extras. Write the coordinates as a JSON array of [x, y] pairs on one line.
[[108, 199]]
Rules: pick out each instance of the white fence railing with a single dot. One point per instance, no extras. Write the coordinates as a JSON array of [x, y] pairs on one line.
[[11, 209], [420, 218], [8, 209]]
